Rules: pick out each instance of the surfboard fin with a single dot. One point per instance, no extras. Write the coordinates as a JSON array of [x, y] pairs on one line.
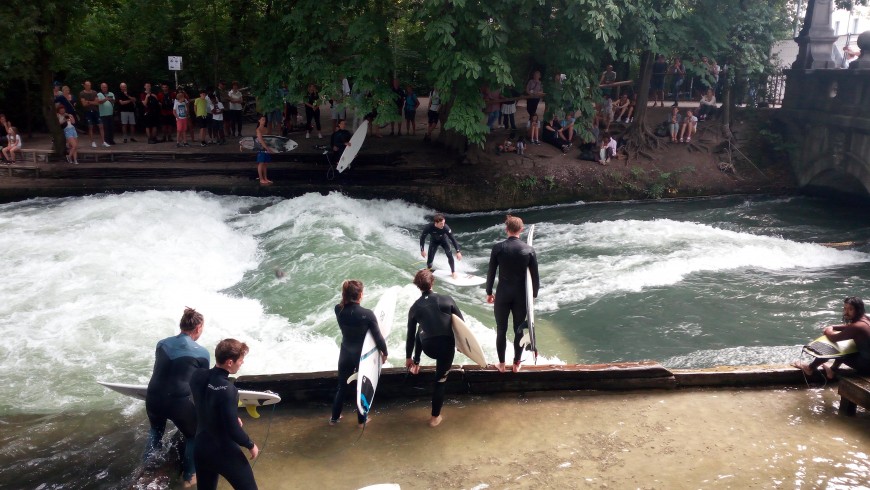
[[252, 411], [352, 377]]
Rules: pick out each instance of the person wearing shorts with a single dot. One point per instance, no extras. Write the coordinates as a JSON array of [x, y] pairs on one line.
[[179, 110], [127, 111], [200, 108], [167, 118], [151, 113], [91, 107]]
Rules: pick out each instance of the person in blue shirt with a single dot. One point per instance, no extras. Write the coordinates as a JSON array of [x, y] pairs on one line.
[[168, 395]]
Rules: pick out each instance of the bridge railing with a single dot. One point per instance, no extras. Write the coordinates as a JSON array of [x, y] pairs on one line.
[[843, 92]]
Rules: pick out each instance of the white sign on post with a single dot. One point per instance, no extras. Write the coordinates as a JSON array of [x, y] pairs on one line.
[[175, 63]]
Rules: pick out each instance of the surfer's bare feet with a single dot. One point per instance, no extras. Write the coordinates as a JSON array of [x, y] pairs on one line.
[[500, 367], [434, 421], [829, 372], [265, 182], [190, 483], [516, 367], [803, 367], [454, 275]]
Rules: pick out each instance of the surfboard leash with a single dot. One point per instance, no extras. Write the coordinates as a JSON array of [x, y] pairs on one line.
[[268, 431]]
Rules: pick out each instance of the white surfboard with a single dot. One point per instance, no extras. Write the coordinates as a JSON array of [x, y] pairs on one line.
[[466, 342], [248, 399], [370, 360], [278, 144], [356, 142], [461, 279], [529, 339]]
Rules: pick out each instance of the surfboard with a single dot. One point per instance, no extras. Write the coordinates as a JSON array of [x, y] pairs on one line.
[[461, 279], [370, 360], [529, 341], [466, 342], [278, 144], [248, 399], [356, 142], [824, 348]]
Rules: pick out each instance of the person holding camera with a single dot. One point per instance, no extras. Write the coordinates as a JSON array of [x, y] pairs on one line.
[[68, 123]]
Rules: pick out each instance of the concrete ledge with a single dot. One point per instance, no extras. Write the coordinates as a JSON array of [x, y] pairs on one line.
[[854, 392]]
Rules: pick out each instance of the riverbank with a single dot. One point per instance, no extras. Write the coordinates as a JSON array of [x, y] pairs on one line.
[[407, 167]]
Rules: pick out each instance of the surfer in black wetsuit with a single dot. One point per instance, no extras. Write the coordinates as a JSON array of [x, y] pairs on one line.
[[219, 430], [354, 321], [339, 141], [168, 395], [511, 258], [440, 233], [432, 312]]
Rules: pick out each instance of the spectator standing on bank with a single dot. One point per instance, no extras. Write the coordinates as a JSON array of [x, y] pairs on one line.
[[127, 109], [200, 109], [678, 72], [68, 124], [493, 106], [312, 111], [608, 77], [235, 110], [91, 108], [167, 117], [179, 110], [534, 88], [66, 99], [399, 99], [217, 120], [508, 110], [150, 113], [432, 113], [107, 114], [411, 105]]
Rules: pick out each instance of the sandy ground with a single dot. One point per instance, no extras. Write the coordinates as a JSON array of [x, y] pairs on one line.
[[785, 438]]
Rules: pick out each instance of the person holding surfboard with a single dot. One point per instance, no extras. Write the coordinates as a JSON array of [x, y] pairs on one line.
[[168, 395], [354, 321], [511, 258], [340, 140], [440, 233], [264, 155], [433, 314], [855, 326], [219, 430]]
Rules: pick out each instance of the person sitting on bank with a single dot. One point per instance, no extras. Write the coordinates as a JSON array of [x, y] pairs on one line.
[[554, 134], [432, 314], [708, 105], [688, 128], [675, 119], [620, 108], [855, 326], [606, 149]]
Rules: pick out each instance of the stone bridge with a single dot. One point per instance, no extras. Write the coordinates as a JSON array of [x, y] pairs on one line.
[[826, 110]]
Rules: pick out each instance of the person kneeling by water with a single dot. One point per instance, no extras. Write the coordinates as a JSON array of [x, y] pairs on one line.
[[855, 326], [432, 312]]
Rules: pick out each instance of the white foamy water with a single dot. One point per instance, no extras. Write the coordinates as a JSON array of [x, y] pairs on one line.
[[598, 258], [91, 284]]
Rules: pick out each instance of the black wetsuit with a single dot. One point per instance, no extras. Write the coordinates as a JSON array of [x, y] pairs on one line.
[[168, 395], [354, 321], [218, 433], [432, 312], [511, 257], [339, 140], [439, 239]]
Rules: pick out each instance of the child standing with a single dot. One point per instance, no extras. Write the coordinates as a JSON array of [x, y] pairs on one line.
[[217, 120], [179, 110], [200, 109]]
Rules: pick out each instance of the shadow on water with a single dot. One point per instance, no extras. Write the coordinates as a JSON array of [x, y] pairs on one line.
[[98, 450]]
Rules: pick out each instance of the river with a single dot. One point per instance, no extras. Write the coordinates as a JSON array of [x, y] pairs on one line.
[[92, 283]]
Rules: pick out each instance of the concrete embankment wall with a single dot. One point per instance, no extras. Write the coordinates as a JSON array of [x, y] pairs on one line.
[[397, 383]]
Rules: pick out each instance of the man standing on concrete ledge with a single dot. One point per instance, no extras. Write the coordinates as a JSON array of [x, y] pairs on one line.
[[511, 258], [107, 114]]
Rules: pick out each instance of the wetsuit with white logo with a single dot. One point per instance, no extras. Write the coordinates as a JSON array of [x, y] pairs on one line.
[[439, 239], [432, 312], [511, 258], [354, 321], [168, 395], [218, 433]]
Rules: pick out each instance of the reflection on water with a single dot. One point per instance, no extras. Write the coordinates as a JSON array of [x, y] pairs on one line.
[[789, 438]]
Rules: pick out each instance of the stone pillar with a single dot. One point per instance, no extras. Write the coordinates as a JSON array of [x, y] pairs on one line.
[[863, 61], [816, 39]]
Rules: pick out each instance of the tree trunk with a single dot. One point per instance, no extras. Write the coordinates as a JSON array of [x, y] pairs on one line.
[[49, 113], [639, 139], [447, 137], [727, 103]]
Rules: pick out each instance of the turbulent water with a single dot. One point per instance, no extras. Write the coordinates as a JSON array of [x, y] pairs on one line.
[[91, 284]]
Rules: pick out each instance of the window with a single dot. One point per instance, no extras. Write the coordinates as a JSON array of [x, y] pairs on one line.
[[854, 26], [837, 28]]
